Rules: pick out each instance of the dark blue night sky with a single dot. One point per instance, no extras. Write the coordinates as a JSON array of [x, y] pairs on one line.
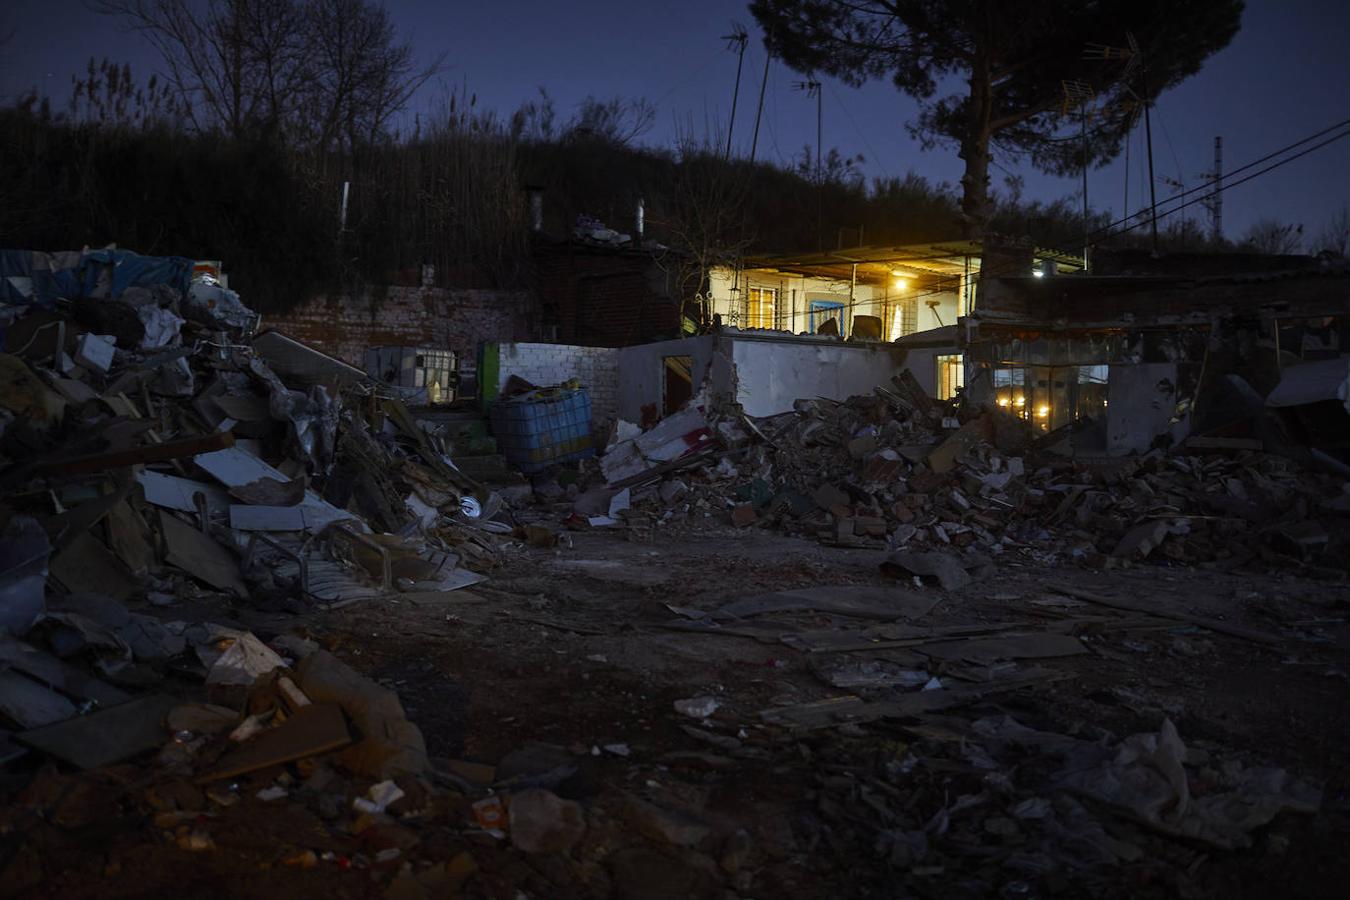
[[1285, 75]]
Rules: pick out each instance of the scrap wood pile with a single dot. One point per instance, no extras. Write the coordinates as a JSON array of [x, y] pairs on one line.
[[897, 469]]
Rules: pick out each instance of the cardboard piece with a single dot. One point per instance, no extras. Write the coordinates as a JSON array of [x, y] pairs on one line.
[[107, 736], [314, 729], [197, 554]]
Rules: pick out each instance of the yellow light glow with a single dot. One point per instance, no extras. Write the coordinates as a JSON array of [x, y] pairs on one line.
[[1003, 402], [900, 283], [1021, 401], [1043, 411]]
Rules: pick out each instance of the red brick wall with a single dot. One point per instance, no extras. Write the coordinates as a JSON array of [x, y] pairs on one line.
[[458, 320], [605, 298]]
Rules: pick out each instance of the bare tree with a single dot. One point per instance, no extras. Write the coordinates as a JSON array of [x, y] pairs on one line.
[[1274, 238], [362, 75], [326, 73], [1335, 235], [616, 121], [705, 218]]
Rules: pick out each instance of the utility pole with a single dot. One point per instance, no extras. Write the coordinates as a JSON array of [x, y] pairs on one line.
[[1133, 58], [737, 40], [1217, 210], [759, 111], [1152, 187]]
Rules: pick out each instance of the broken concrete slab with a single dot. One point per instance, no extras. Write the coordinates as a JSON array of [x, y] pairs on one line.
[[1142, 539], [30, 704], [57, 674], [106, 736]]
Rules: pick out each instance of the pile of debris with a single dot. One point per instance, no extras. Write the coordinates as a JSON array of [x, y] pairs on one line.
[[899, 470], [149, 444]]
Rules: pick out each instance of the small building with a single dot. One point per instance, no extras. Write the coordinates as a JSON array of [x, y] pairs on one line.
[[1151, 359], [902, 290]]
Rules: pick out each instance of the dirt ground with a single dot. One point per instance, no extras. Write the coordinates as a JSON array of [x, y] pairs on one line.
[[564, 657]]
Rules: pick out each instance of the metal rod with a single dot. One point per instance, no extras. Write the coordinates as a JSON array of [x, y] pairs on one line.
[[736, 92], [1152, 186]]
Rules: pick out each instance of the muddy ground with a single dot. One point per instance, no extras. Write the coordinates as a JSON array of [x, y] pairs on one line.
[[568, 648]]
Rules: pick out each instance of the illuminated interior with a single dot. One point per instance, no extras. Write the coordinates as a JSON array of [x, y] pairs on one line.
[[1051, 397]]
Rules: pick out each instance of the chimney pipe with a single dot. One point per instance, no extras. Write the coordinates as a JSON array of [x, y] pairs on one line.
[[536, 197]]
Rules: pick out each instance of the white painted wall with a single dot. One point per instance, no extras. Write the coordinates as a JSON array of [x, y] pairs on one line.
[[641, 371], [1137, 411], [771, 374]]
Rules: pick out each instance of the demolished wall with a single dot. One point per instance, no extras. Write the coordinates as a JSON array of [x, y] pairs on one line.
[[597, 368], [454, 319]]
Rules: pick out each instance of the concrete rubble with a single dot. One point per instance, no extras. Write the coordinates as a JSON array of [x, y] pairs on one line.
[[242, 585]]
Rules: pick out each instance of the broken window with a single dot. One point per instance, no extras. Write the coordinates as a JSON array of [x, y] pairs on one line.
[[760, 307], [951, 375]]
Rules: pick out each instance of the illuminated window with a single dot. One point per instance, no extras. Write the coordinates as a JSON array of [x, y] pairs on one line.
[[904, 318], [951, 374], [760, 306]]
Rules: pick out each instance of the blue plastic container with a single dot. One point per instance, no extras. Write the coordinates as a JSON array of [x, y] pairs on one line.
[[543, 428]]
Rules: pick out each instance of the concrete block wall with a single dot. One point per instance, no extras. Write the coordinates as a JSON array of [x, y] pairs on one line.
[[547, 364], [459, 319]]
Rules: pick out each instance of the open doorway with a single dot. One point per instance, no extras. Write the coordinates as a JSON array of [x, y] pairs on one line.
[[678, 387]]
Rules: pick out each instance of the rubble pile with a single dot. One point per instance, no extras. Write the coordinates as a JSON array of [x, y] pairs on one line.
[[887, 471], [159, 477]]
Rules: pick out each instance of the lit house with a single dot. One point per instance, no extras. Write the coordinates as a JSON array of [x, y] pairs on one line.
[[865, 293]]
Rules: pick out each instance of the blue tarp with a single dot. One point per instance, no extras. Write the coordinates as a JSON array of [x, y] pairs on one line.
[[29, 276]]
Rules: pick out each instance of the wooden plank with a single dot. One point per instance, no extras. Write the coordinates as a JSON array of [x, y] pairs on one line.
[[194, 552], [107, 736], [101, 462], [314, 729], [1237, 631]]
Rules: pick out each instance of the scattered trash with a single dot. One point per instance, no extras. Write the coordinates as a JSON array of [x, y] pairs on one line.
[[697, 707]]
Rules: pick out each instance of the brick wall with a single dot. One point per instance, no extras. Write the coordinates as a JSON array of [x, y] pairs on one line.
[[547, 364], [605, 297], [458, 319]]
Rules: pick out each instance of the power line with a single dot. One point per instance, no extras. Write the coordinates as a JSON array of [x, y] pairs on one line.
[[1228, 182], [866, 143]]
